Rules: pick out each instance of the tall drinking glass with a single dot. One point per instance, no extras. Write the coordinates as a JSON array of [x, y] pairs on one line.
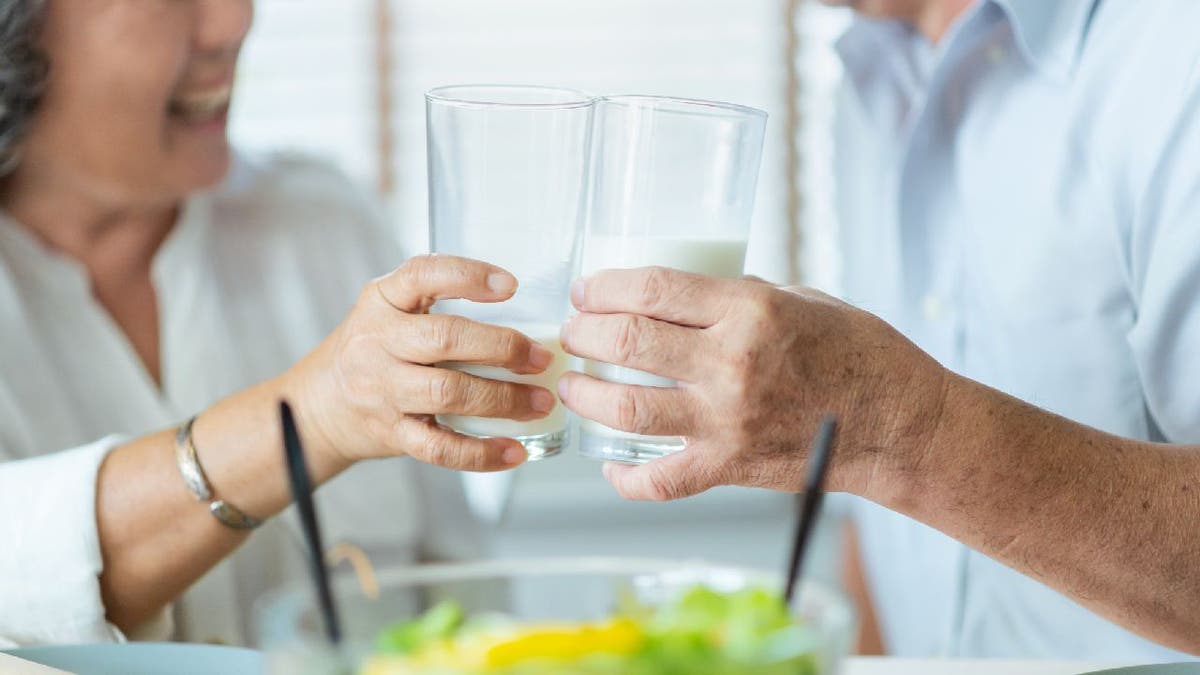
[[674, 187], [508, 184]]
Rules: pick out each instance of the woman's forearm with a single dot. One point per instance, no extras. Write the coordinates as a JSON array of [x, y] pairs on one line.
[[367, 391], [155, 537], [1108, 521]]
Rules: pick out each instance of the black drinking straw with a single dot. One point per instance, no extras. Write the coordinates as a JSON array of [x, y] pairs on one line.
[[810, 501], [302, 493]]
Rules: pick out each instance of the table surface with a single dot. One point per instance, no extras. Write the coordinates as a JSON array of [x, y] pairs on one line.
[[882, 666]]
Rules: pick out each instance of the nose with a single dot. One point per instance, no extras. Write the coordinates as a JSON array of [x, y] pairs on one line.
[[222, 25]]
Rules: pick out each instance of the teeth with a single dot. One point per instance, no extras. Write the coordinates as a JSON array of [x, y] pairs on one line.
[[202, 104]]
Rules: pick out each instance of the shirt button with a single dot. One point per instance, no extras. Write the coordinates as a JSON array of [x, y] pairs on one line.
[[996, 54], [932, 308]]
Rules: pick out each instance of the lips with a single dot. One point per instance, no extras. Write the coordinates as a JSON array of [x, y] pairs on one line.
[[201, 105]]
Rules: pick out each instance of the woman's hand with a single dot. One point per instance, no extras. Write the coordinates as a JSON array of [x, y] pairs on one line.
[[371, 388]]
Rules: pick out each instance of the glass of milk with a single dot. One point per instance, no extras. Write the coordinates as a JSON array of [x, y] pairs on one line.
[[674, 187], [508, 184]]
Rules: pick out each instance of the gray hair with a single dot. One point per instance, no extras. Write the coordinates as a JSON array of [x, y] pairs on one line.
[[23, 71]]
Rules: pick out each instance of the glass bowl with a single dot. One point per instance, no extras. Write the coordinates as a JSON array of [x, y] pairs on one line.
[[291, 631]]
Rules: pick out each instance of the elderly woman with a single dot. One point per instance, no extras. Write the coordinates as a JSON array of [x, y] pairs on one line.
[[149, 276]]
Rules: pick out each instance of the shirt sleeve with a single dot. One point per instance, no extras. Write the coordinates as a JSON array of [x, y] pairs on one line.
[[1165, 275], [50, 565]]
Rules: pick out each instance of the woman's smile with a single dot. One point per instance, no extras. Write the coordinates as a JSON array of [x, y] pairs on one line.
[[201, 109]]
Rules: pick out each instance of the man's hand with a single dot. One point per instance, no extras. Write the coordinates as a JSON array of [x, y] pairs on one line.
[[757, 367]]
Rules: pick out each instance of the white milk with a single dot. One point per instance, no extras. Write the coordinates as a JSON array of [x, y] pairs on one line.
[[547, 335], [711, 256], [716, 257]]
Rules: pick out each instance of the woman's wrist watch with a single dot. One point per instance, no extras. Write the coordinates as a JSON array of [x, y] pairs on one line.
[[193, 475]]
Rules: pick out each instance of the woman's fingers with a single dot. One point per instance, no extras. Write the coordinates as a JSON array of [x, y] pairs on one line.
[[442, 391], [415, 285], [432, 444], [436, 338]]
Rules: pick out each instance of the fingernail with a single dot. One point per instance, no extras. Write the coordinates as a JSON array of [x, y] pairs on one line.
[[563, 387], [577, 293], [514, 454], [542, 400], [501, 283], [539, 356]]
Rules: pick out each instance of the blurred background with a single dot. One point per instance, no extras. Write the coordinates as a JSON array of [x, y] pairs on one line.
[[344, 80]]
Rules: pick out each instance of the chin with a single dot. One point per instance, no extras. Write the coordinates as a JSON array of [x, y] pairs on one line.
[[207, 170]]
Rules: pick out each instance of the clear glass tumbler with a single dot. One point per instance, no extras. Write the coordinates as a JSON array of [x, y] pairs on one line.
[[674, 186], [508, 184]]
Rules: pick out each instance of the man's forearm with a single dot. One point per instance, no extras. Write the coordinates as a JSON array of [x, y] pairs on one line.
[[1110, 522]]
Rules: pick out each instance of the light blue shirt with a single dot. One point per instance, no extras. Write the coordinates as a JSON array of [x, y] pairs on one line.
[[1023, 201]]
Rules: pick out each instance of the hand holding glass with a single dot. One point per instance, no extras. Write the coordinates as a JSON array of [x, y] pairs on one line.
[[674, 187]]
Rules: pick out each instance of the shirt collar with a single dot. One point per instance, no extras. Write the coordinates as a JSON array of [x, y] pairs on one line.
[[1049, 34]]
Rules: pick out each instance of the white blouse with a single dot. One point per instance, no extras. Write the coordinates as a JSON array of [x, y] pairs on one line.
[[253, 276]]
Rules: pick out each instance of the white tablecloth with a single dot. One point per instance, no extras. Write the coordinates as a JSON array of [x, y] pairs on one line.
[[887, 666]]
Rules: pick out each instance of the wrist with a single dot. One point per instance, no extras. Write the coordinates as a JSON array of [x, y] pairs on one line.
[[930, 456], [324, 456]]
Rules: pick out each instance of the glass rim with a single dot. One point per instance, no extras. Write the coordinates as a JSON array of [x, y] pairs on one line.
[[679, 104], [574, 98]]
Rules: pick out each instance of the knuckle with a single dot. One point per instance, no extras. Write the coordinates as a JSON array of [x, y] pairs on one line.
[[444, 391], [472, 458], [761, 305], [626, 340], [632, 413], [438, 451], [661, 487], [498, 398], [441, 334], [419, 266], [514, 346], [653, 287]]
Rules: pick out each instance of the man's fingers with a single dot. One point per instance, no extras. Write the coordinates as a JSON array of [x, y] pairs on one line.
[[415, 285], [656, 411], [442, 447], [657, 292], [436, 338], [675, 476], [442, 391], [638, 342]]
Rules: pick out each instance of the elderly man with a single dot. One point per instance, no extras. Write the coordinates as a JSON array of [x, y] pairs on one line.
[[1019, 200]]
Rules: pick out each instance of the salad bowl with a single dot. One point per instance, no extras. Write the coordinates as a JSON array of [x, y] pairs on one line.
[[562, 616]]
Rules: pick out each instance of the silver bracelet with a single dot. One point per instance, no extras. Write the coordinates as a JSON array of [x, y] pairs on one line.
[[193, 475]]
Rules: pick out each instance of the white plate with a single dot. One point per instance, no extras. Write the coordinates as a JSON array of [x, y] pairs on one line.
[[145, 658]]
